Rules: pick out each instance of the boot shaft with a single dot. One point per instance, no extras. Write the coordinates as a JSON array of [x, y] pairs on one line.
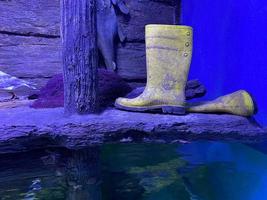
[[168, 55]]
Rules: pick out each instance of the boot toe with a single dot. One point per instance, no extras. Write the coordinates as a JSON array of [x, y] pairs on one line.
[[122, 102], [130, 104]]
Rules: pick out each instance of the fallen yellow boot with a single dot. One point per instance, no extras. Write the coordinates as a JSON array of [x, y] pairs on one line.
[[168, 55], [238, 103]]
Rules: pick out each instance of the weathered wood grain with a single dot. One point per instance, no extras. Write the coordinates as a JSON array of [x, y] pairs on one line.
[[142, 13], [30, 17], [32, 57], [131, 60], [35, 58], [80, 56], [42, 17], [30, 46]]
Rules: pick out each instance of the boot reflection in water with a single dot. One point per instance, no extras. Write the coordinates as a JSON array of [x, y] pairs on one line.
[[168, 54], [237, 103]]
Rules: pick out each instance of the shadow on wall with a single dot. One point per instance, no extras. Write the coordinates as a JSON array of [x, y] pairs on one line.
[[230, 40]]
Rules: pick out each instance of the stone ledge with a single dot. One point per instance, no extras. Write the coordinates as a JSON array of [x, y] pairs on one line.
[[23, 129]]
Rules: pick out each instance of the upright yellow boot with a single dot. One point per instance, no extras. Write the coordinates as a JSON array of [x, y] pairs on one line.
[[237, 103], [168, 55]]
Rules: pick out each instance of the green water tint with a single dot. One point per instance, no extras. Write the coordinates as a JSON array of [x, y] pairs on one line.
[[194, 171]]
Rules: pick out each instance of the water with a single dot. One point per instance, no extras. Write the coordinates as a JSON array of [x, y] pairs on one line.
[[194, 171]]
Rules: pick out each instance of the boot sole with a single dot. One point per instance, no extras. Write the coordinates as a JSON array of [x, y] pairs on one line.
[[176, 110]]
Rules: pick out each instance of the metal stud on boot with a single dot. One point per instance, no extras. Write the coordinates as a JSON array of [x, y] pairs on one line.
[[237, 103], [168, 55]]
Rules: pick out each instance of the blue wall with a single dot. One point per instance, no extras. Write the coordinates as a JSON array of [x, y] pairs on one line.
[[230, 47]]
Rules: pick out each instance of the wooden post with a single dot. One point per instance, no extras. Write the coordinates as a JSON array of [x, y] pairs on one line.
[[79, 52]]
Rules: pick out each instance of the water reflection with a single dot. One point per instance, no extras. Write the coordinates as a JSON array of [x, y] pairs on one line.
[[52, 174], [82, 172], [225, 170], [195, 171]]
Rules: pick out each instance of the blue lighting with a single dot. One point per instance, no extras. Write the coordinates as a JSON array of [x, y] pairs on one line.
[[230, 47]]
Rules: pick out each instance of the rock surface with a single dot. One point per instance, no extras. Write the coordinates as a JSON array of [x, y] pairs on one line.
[[111, 86], [23, 129]]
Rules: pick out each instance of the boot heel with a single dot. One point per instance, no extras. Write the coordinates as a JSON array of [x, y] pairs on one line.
[[174, 110]]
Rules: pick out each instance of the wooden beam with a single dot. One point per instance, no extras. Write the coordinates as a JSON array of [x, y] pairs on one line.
[[79, 53]]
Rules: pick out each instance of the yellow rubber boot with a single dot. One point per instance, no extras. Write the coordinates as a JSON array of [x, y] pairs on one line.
[[238, 103], [168, 55]]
